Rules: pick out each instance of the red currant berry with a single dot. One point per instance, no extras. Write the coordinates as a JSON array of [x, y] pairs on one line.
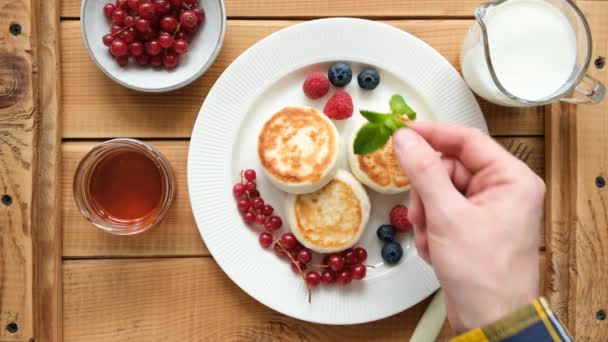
[[274, 222], [350, 258], [115, 29], [257, 203], [243, 205], [295, 269], [153, 48], [189, 2], [267, 210], [165, 40], [168, 23], [312, 278], [279, 251], [170, 60], [142, 59], [335, 262], [200, 14], [119, 47], [238, 190], [361, 254], [249, 175], [149, 35], [129, 21], [156, 61], [108, 39], [136, 48], [265, 239], [288, 241], [249, 217], [304, 256], [253, 193], [122, 4], [162, 7], [260, 219], [188, 19], [327, 277], [345, 277], [146, 11], [122, 60], [176, 4], [250, 186], [359, 271], [119, 15], [128, 35], [108, 10], [180, 46], [134, 4], [142, 25]]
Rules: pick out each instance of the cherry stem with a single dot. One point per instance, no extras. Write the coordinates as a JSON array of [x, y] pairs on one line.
[[122, 29], [297, 266]]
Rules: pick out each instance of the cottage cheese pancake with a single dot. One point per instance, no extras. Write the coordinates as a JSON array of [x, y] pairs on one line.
[[298, 149], [379, 170], [331, 219]]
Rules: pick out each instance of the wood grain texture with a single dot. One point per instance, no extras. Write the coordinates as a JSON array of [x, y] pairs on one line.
[[320, 8], [192, 299], [177, 235], [46, 208], [95, 107], [18, 114]]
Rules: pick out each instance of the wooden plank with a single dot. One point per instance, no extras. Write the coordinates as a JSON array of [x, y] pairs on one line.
[[47, 214], [18, 114], [578, 237], [95, 107], [320, 8], [191, 299], [177, 235]]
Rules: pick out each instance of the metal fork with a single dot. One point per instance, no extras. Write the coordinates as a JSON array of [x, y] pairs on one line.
[[520, 150]]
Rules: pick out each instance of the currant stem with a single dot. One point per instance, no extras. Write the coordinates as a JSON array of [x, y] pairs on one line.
[[297, 266], [122, 29]]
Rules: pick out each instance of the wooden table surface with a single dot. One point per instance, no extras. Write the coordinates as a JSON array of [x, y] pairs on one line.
[[63, 279]]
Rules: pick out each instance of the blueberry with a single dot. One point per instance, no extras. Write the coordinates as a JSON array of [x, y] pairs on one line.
[[368, 79], [386, 232], [392, 252], [340, 74]]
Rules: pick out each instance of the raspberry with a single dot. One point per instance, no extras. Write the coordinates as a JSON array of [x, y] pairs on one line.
[[316, 85], [339, 106], [399, 218]]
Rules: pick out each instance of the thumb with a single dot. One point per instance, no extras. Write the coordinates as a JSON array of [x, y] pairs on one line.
[[423, 166]]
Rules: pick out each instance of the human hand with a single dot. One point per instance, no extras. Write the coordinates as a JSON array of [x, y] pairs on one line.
[[476, 212]]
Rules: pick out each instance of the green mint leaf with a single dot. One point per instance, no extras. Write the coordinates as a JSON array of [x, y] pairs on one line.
[[371, 137], [373, 117], [393, 123], [399, 106]]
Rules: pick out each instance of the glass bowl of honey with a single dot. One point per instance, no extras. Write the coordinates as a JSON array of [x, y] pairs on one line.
[[124, 186]]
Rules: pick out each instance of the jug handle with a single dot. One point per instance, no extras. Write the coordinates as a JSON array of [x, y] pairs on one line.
[[588, 91]]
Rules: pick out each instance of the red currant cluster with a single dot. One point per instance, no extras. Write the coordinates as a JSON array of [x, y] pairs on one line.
[[154, 32], [340, 267]]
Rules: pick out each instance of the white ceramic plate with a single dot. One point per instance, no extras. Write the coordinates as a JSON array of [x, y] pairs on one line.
[[269, 76], [202, 51]]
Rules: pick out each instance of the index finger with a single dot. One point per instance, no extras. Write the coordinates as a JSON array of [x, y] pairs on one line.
[[474, 149]]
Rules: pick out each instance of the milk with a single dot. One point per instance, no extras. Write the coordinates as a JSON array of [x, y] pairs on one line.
[[532, 47]]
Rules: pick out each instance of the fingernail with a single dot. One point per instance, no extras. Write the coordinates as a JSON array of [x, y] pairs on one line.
[[405, 139]]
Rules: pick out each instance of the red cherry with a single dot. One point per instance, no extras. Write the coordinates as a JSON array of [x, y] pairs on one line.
[[265, 239], [361, 254], [312, 278], [108, 39], [288, 241], [142, 59], [267, 210], [238, 190], [168, 23], [345, 277], [359, 271], [249, 174], [136, 48], [119, 47], [304, 256], [249, 217], [335, 262], [108, 10], [327, 277], [257, 203]]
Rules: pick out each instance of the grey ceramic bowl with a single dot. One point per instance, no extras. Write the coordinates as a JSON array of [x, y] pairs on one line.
[[202, 52]]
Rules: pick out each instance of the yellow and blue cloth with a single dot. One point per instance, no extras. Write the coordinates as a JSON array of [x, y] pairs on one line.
[[535, 322]]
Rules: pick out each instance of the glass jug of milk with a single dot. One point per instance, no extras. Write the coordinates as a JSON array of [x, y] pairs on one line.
[[529, 53]]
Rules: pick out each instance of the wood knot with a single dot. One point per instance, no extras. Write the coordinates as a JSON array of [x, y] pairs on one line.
[[14, 79], [12, 328]]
